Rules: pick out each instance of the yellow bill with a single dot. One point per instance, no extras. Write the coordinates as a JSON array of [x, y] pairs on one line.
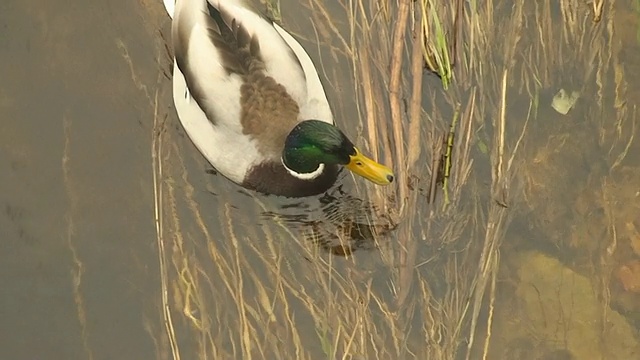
[[369, 169]]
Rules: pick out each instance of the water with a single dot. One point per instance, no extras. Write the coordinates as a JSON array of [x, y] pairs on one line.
[[106, 205]]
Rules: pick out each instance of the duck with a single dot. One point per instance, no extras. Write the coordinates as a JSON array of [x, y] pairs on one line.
[[251, 101]]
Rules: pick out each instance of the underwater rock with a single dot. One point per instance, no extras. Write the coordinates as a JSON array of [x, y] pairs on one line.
[[562, 306]]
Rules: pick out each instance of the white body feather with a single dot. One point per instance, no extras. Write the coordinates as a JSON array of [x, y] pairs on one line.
[[223, 144]]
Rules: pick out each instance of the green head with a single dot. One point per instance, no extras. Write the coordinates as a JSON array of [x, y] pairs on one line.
[[313, 143]]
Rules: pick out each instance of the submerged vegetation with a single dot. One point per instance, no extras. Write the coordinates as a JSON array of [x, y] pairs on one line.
[[438, 267], [440, 48]]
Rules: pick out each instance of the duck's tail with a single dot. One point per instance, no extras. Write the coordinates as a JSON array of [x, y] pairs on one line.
[[170, 6]]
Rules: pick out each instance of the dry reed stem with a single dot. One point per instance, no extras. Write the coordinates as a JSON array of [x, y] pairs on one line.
[[415, 119], [407, 256], [156, 152], [492, 298], [597, 6], [395, 93]]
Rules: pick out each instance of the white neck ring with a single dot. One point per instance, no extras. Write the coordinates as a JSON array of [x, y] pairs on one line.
[[305, 176]]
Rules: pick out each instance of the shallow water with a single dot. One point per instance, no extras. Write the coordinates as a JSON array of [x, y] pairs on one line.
[[76, 152], [90, 146]]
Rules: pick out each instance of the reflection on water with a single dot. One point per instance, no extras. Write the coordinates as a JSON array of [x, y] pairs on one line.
[[337, 221]]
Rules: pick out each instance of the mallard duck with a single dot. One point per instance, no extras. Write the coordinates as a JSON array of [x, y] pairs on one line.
[[250, 99]]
